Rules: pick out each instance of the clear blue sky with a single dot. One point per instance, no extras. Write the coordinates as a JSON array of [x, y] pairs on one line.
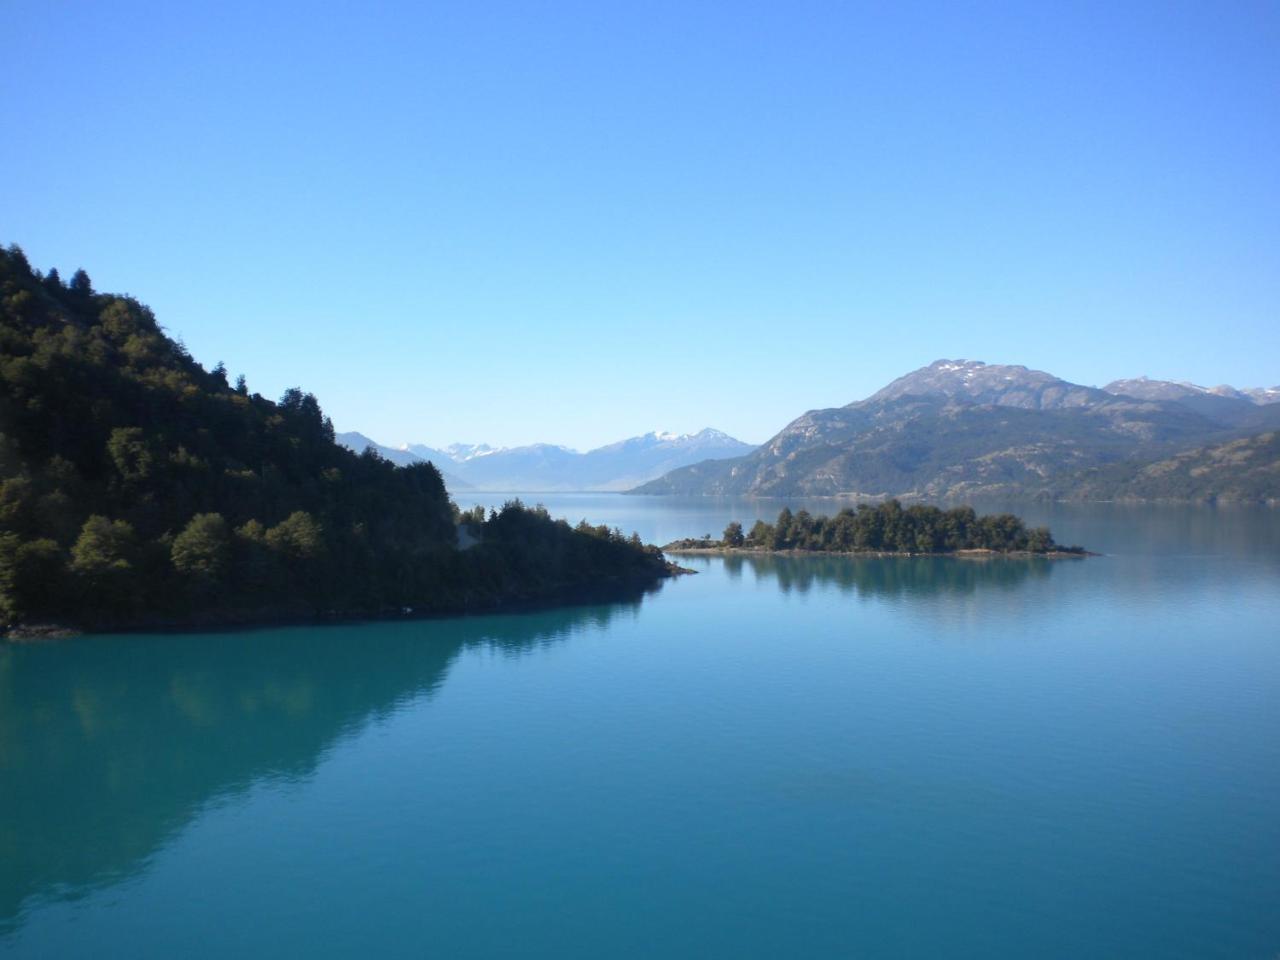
[[575, 222]]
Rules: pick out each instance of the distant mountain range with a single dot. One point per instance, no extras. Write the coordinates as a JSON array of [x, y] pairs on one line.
[[403, 457], [962, 428], [1216, 402], [544, 467]]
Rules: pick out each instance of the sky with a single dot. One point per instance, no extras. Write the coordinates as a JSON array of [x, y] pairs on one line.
[[578, 222]]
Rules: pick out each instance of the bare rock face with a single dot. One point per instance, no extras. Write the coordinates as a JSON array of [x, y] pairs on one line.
[[1182, 391], [1262, 395], [973, 381]]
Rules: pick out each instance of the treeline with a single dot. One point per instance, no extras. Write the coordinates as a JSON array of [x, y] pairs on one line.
[[888, 528], [138, 487]]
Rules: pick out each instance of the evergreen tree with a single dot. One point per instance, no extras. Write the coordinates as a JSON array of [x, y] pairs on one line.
[[80, 284]]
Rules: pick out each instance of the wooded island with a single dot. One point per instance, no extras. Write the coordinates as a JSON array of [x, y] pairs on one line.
[[887, 528]]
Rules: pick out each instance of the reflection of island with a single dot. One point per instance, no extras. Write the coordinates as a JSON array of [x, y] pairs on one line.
[[107, 749], [887, 576]]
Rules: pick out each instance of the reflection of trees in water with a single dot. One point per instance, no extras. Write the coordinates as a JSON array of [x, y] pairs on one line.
[[1156, 529], [890, 576], [109, 745]]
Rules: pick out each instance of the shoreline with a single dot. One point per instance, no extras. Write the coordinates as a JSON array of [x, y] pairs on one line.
[[965, 498], [973, 554], [567, 595]]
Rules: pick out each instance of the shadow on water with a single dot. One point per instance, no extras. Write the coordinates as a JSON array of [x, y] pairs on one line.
[[111, 745], [889, 577]]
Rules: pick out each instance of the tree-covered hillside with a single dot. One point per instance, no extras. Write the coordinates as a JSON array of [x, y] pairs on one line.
[[1245, 470], [137, 487]]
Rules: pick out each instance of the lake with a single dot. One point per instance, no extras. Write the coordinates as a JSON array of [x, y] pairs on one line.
[[809, 757]]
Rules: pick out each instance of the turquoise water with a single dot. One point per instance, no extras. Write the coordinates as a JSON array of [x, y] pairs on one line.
[[780, 757]]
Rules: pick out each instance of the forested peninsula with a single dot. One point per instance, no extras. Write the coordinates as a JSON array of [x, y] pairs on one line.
[[139, 489], [885, 528]]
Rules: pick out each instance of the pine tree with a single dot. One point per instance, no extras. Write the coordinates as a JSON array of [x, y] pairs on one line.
[[80, 284]]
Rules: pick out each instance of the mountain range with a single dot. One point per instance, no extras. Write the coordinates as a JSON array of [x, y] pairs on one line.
[[545, 467], [963, 428]]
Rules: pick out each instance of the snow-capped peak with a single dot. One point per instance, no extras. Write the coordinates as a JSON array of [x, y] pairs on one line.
[[469, 451], [705, 435]]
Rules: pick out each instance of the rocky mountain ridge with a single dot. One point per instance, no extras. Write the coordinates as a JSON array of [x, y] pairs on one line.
[[963, 428], [545, 467]]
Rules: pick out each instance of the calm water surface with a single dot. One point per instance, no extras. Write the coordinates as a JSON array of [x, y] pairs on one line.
[[821, 757]]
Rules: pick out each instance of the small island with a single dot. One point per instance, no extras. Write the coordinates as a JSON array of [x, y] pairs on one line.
[[886, 529]]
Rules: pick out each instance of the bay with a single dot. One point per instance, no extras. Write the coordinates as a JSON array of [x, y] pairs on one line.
[[823, 756]]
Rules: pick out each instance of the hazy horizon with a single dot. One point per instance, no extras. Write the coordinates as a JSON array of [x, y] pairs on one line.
[[402, 443], [576, 225]]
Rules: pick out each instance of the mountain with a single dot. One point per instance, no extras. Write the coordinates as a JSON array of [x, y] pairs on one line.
[[1150, 389], [545, 467], [1222, 402], [462, 451], [1262, 395], [536, 467], [405, 457], [1246, 469], [623, 465], [964, 428], [975, 382], [424, 452], [358, 443], [616, 466]]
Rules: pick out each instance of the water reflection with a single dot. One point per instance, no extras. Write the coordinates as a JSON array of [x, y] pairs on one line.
[[110, 745], [891, 577], [1132, 529]]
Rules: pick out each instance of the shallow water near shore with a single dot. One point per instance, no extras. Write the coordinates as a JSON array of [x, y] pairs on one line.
[[780, 756]]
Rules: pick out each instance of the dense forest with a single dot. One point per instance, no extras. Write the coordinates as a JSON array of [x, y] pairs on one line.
[[139, 488], [886, 528]]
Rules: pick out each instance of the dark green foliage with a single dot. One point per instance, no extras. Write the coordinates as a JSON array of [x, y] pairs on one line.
[[1245, 470], [203, 549], [525, 546], [135, 486], [80, 284], [889, 528]]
